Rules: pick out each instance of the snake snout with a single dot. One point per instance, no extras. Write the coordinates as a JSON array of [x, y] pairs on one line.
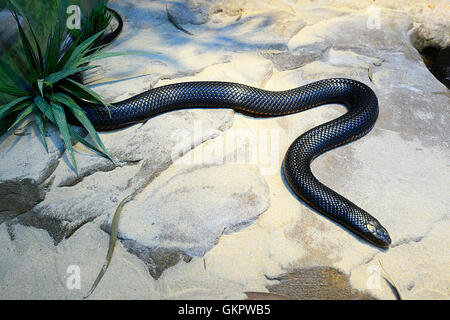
[[378, 234]]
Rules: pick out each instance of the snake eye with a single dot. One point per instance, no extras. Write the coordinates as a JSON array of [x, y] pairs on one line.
[[371, 227], [378, 234]]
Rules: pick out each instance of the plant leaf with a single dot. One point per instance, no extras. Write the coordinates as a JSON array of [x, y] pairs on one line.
[[90, 92], [22, 115], [112, 243], [75, 90], [5, 109], [61, 122], [30, 27], [55, 77], [55, 38], [45, 108], [79, 138], [80, 50], [81, 116], [15, 109], [40, 124], [17, 72], [12, 91], [40, 83], [68, 52], [40, 62], [27, 47]]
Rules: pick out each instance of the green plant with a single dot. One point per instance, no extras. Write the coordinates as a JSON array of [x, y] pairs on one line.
[[97, 21], [41, 82]]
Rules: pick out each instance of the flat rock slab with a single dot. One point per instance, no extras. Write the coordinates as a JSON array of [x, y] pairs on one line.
[[189, 211], [25, 165]]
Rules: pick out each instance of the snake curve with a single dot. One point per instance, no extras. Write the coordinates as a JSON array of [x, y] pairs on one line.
[[362, 106], [361, 102]]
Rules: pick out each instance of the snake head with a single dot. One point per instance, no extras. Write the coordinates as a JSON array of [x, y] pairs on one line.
[[377, 234]]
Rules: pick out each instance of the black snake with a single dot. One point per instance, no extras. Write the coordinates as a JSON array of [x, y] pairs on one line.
[[362, 113]]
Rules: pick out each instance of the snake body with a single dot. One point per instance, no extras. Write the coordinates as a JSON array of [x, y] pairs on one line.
[[362, 113], [361, 102]]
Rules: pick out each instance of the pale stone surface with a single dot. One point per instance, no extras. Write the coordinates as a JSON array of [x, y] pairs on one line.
[[45, 270], [25, 165], [151, 143], [172, 212], [222, 173], [69, 207]]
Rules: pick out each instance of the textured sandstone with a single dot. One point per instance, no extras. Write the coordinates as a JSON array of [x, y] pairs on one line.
[[212, 216]]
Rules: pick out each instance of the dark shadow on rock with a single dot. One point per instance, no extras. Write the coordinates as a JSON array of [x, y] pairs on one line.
[[57, 229], [156, 259], [317, 283], [437, 61]]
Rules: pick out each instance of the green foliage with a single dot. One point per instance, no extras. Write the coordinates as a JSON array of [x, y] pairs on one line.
[[98, 20], [42, 14], [41, 82]]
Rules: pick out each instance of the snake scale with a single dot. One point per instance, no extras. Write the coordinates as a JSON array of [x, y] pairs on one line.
[[361, 102]]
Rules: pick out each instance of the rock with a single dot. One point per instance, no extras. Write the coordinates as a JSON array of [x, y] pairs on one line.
[[66, 209], [151, 143], [189, 210], [25, 166], [189, 12], [318, 283], [265, 296], [73, 200], [157, 255], [156, 259], [340, 31], [32, 267], [250, 31], [430, 25], [225, 222], [28, 267], [426, 255]]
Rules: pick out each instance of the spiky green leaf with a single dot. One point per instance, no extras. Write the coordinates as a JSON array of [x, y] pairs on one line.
[[6, 109], [54, 42], [67, 53], [80, 50], [45, 108], [61, 122], [17, 73], [40, 83], [76, 91], [81, 116], [79, 138], [22, 115], [13, 91], [55, 77], [89, 92], [40, 124], [27, 47]]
